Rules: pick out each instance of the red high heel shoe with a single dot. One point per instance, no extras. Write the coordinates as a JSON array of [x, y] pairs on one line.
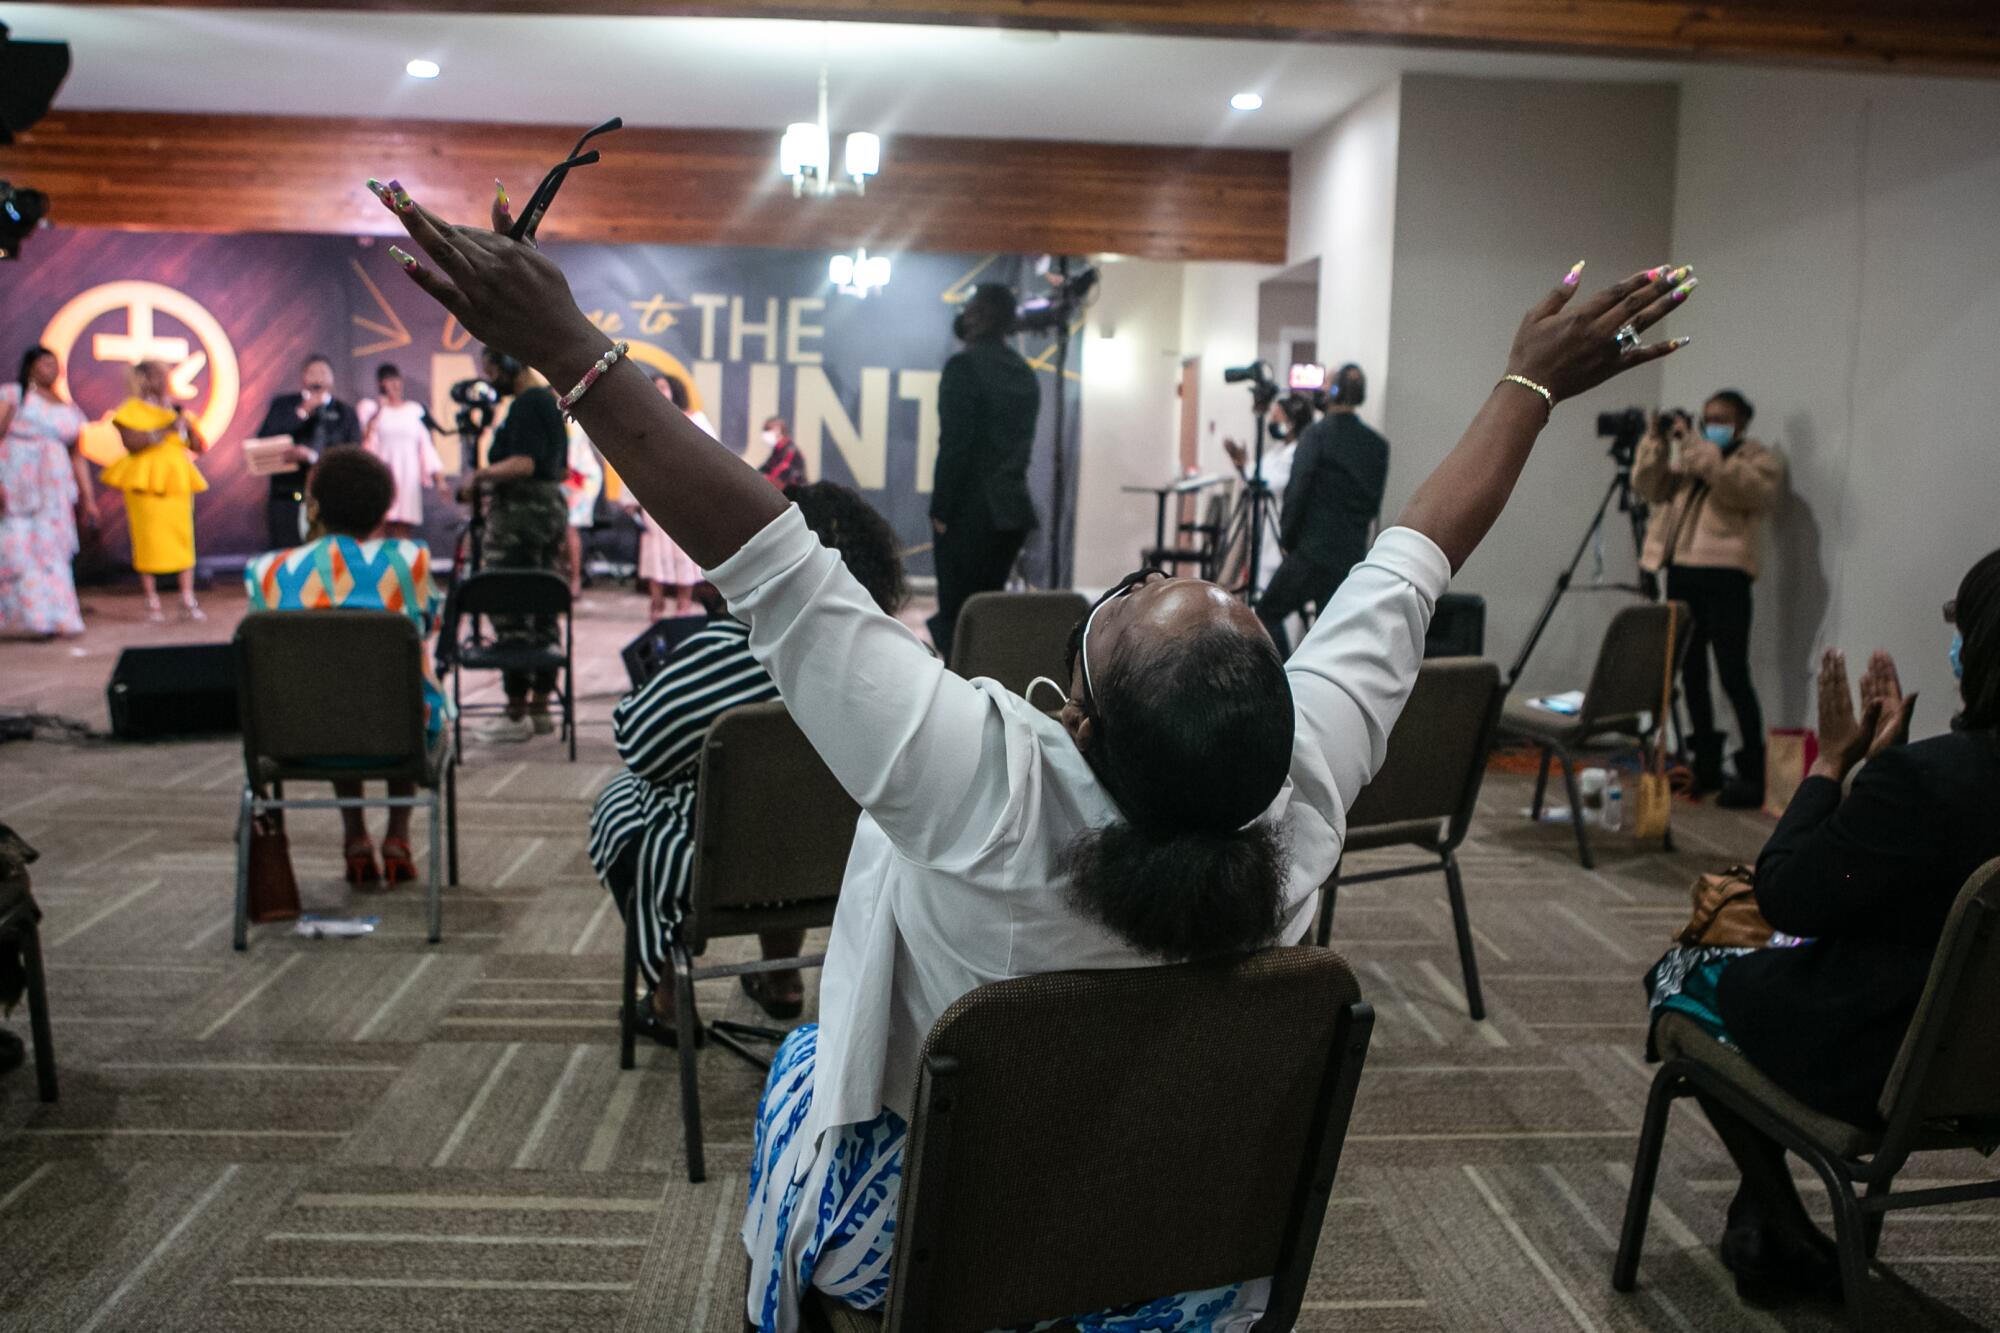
[[398, 865], [361, 868]]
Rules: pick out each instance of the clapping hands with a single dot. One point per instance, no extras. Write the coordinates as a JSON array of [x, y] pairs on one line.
[[1845, 740]]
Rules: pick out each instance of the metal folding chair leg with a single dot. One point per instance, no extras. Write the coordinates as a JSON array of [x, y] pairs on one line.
[[1583, 853], [1541, 786], [685, 1027], [451, 814], [437, 867], [38, 1011], [241, 937], [1468, 963], [628, 1006], [1667, 1085], [1327, 892]]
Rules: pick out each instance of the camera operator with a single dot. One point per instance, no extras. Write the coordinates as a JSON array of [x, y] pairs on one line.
[[1710, 492], [1332, 499], [988, 400], [316, 421], [526, 527]]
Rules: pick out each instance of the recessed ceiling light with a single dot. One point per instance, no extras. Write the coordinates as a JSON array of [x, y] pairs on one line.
[[422, 69], [1244, 101]]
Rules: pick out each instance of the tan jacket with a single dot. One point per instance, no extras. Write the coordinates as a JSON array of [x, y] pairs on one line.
[[1715, 505]]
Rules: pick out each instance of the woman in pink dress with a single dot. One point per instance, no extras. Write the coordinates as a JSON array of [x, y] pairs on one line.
[[663, 565], [41, 477], [398, 432]]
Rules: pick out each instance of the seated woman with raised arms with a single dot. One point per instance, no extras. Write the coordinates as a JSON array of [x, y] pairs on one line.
[[1189, 799]]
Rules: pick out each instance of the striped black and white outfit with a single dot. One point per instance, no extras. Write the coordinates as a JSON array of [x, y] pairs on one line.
[[642, 829]]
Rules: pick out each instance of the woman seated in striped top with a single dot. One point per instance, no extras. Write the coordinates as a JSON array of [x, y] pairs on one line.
[[642, 829]]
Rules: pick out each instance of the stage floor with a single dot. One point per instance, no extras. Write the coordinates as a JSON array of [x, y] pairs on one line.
[[377, 1134]]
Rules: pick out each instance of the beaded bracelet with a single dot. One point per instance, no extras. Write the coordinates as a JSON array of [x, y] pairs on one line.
[[609, 359], [1547, 398]]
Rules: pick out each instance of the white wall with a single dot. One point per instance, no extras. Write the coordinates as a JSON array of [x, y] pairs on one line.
[[1344, 194], [1844, 229], [1501, 186], [1130, 422], [1219, 325]]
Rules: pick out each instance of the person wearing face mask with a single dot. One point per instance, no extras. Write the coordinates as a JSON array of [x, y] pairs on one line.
[[785, 467], [1862, 880], [981, 511], [317, 421], [1710, 492], [1332, 499]]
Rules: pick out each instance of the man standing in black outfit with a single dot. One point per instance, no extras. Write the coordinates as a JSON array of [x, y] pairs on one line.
[[1333, 498], [317, 421], [981, 511]]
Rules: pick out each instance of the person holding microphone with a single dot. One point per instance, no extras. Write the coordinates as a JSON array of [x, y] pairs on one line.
[[316, 421], [1710, 492]]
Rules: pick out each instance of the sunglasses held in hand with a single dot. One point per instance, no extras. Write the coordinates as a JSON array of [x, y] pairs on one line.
[[545, 193]]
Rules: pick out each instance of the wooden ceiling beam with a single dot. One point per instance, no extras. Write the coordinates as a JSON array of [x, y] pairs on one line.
[[1927, 34], [224, 173]]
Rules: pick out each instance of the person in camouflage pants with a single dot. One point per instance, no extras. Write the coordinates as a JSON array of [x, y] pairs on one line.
[[526, 529]]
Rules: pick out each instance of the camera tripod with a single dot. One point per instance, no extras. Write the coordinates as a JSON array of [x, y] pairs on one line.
[[1635, 511]]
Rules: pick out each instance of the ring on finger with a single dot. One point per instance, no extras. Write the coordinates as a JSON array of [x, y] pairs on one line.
[[1627, 338]]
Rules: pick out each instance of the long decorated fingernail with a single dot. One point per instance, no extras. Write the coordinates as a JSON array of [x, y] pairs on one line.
[[1679, 274], [1655, 274], [1574, 275], [380, 191], [403, 257], [1683, 340], [401, 197], [1681, 292], [499, 192]]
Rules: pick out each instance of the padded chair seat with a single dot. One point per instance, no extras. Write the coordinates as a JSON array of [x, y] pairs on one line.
[[1521, 719], [1425, 833], [1680, 1037], [509, 657], [271, 770]]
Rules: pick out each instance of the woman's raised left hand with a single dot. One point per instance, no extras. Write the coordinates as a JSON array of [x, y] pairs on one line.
[[1569, 344], [506, 293]]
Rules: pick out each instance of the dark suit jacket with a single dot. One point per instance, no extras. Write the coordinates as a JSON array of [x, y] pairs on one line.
[[1335, 492], [987, 403], [1870, 879], [334, 424]]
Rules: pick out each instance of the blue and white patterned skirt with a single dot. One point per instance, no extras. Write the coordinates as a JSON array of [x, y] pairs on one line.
[[835, 1228]]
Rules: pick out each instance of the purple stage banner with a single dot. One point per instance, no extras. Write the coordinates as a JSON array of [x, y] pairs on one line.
[[754, 333]]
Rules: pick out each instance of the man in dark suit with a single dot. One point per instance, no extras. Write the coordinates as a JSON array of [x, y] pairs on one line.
[[981, 511], [317, 421], [1332, 500]]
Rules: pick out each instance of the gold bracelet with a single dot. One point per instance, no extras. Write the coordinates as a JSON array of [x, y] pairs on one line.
[[1548, 398]]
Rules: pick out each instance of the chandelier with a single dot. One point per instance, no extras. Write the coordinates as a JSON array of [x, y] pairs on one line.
[[805, 155], [859, 273]]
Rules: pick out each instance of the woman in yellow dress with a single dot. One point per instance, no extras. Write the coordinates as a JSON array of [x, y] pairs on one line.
[[160, 481]]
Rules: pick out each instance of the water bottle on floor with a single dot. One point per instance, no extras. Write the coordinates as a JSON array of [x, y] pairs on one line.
[[1614, 802]]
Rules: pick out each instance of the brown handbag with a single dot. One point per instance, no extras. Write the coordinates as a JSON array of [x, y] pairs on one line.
[[274, 889], [1725, 913]]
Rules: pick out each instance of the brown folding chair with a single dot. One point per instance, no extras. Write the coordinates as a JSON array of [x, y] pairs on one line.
[[1185, 1125], [1426, 791], [1625, 684], [749, 878], [1014, 637], [338, 695], [1943, 1093]]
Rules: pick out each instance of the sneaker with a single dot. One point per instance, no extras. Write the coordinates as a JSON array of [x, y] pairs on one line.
[[505, 731], [543, 723]]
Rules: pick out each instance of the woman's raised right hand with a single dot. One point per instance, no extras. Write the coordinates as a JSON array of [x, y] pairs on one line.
[[506, 293], [1569, 344]]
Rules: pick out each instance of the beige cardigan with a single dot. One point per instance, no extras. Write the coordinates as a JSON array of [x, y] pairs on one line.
[[1716, 505]]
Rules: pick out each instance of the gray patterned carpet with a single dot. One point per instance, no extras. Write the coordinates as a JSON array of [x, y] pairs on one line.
[[375, 1134]]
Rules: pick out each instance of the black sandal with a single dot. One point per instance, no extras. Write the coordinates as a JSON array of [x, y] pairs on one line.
[[757, 985]]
